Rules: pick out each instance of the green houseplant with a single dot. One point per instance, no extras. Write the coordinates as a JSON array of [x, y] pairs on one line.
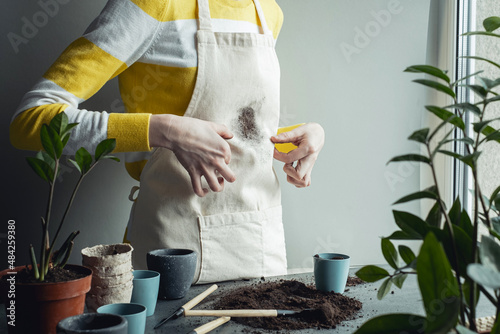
[[39, 299], [453, 269]]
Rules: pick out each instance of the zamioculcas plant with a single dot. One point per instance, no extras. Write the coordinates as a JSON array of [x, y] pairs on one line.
[[453, 270], [46, 164]]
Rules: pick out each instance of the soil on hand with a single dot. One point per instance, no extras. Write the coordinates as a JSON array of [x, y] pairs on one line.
[[54, 275], [322, 309]]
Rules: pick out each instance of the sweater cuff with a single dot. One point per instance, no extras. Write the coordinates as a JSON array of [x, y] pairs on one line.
[[131, 132]]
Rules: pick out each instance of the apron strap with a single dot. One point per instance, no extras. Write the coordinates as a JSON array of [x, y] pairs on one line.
[[205, 20]]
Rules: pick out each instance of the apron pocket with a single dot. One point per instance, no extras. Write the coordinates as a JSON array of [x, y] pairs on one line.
[[241, 245]]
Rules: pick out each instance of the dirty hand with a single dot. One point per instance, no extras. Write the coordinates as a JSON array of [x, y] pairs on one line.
[[309, 139], [200, 146]]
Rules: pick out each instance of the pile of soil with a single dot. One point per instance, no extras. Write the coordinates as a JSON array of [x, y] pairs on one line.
[[323, 309]]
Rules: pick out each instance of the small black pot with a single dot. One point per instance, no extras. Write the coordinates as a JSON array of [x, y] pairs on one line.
[[93, 323]]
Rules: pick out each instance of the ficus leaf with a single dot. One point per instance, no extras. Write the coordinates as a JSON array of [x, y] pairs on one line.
[[436, 85], [390, 253], [372, 273], [427, 69]]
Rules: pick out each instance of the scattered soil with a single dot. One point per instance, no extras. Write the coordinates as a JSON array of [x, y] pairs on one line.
[[54, 275], [320, 309]]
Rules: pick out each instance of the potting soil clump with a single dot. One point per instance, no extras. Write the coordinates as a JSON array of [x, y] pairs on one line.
[[320, 309]]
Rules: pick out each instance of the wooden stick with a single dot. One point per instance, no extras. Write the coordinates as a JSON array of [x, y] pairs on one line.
[[193, 302], [231, 313], [210, 326]]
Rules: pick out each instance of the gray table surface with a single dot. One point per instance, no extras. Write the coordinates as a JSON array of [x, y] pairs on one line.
[[406, 300]]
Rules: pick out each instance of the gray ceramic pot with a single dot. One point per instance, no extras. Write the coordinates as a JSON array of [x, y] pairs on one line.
[[176, 268], [93, 323]]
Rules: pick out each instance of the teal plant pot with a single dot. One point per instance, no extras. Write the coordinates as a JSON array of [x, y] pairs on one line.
[[134, 313], [145, 290], [331, 271]]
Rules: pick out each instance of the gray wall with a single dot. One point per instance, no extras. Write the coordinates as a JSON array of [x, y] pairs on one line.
[[342, 64]]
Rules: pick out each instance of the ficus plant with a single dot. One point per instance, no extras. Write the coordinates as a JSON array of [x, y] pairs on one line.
[[455, 266], [46, 164]]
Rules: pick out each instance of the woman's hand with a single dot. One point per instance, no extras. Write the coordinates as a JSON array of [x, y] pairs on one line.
[[309, 139], [200, 146]]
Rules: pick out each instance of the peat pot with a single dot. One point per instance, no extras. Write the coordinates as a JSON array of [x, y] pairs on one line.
[[112, 274], [38, 307]]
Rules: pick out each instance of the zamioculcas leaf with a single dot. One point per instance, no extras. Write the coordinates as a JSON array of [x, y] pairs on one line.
[[110, 157], [411, 157], [59, 123], [420, 135], [447, 116], [434, 216], [400, 235], [105, 147], [491, 23], [437, 285], [437, 86], [428, 193], [398, 280], [466, 106], [390, 253], [490, 253], [484, 276], [372, 273], [455, 212], [482, 59], [51, 141], [479, 90], [83, 159], [394, 324], [431, 70], [467, 76], [465, 223], [480, 33], [411, 224], [41, 168], [384, 288], [406, 254]]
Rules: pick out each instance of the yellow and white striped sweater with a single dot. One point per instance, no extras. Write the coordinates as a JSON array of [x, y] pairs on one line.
[[150, 45]]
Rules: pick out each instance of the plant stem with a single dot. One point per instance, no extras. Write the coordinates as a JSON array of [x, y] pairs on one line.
[[450, 230], [70, 202]]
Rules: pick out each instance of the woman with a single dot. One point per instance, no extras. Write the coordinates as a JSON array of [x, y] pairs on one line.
[[200, 84]]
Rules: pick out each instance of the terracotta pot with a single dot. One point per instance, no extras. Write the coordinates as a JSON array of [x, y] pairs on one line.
[[38, 307]]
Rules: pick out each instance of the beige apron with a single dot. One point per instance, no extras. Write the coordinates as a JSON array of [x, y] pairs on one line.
[[238, 232]]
